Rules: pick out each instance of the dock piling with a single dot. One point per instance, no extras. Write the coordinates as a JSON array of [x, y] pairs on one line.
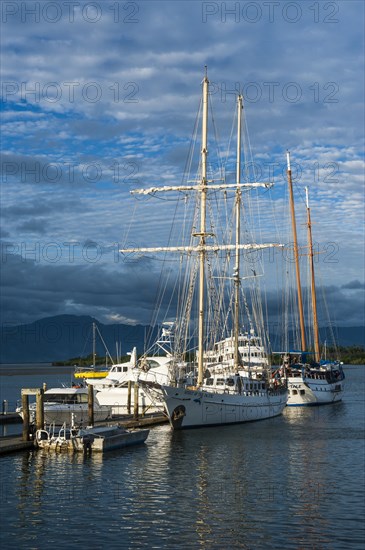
[[25, 407], [40, 409], [135, 410], [129, 396], [91, 404], [39, 393]]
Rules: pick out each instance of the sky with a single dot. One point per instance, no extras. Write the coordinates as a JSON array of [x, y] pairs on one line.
[[101, 97]]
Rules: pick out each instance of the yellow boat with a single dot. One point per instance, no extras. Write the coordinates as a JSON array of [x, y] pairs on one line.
[[91, 374], [81, 372]]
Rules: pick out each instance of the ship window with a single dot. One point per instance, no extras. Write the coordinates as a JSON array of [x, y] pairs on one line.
[[53, 398], [302, 392], [67, 399], [125, 369], [82, 398], [220, 381], [230, 382], [209, 381], [294, 392]]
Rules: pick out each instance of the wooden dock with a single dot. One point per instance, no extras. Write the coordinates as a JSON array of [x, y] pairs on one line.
[[10, 418], [141, 422], [15, 443]]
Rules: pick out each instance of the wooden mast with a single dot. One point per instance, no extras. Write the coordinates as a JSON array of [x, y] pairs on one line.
[[94, 345], [317, 353], [202, 234], [296, 254], [236, 275]]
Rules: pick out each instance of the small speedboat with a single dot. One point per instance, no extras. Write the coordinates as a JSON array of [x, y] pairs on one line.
[[90, 439]]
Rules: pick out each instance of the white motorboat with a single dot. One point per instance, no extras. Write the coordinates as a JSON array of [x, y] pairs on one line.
[[149, 372], [118, 374], [69, 405]]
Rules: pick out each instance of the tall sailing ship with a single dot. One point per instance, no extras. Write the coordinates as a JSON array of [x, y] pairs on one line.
[[311, 380], [229, 388]]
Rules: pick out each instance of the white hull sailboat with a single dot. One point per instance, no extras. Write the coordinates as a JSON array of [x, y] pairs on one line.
[[314, 387], [194, 408], [315, 382], [224, 392]]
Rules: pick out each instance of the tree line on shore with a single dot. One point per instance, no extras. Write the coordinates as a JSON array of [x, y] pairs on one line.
[[349, 355]]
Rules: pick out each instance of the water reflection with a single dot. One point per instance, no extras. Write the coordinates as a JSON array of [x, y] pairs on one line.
[[278, 483]]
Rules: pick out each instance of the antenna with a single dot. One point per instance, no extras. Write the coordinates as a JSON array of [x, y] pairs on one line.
[[288, 160], [306, 197]]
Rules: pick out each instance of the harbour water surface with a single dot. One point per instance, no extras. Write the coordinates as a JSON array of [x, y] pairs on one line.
[[295, 481]]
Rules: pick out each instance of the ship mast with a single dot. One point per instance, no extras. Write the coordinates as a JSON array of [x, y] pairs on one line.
[[317, 354], [296, 254], [202, 235], [236, 276], [202, 248], [94, 345]]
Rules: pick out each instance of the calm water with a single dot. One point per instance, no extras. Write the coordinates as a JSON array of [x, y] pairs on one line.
[[296, 481]]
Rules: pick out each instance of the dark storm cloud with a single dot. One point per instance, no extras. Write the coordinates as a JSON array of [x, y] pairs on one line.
[[34, 226], [30, 289], [148, 73], [354, 285], [129, 292]]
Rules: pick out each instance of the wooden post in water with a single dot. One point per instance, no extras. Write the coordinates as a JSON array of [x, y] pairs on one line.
[[25, 407], [129, 396], [40, 409], [91, 404], [135, 400]]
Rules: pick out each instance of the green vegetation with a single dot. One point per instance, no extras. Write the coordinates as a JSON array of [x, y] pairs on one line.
[[88, 361], [349, 355], [352, 355]]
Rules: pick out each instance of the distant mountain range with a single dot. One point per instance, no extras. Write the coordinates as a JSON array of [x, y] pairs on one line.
[[66, 336]]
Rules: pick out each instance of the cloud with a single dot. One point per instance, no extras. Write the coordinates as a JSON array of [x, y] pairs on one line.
[[134, 291], [354, 285], [100, 101]]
